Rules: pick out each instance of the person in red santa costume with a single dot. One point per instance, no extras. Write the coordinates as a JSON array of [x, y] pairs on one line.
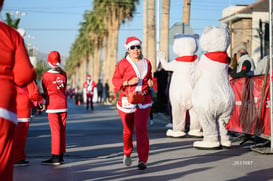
[[89, 86], [26, 96], [54, 85], [15, 70], [133, 73]]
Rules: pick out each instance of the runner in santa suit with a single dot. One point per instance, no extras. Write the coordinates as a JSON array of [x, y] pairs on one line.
[[24, 97], [89, 86], [54, 86], [15, 70], [134, 73]]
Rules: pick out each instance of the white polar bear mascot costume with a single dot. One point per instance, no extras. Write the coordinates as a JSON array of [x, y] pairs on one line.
[[213, 96], [182, 84]]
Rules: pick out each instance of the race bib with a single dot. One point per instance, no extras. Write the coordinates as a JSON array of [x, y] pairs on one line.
[[126, 104]]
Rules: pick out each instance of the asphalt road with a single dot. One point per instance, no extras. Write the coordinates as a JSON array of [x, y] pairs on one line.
[[94, 152]]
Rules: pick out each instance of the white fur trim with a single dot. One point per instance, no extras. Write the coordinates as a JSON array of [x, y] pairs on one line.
[[52, 66], [126, 110], [131, 110], [6, 114], [144, 106], [139, 85], [56, 110], [52, 71], [134, 42], [23, 120]]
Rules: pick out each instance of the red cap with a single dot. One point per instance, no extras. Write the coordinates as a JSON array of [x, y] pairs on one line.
[[132, 40], [54, 58]]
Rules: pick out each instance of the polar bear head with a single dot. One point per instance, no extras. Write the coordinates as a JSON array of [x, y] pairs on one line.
[[214, 38], [185, 45]]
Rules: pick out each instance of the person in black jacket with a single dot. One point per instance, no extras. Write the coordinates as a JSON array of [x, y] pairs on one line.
[[162, 82], [245, 65]]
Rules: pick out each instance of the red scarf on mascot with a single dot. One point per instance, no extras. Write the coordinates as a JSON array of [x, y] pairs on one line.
[[219, 56]]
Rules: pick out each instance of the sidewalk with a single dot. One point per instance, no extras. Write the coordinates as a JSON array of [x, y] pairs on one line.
[[94, 152]]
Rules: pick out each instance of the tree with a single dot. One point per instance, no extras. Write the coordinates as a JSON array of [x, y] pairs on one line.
[[12, 22], [100, 30], [41, 67], [151, 34], [164, 45], [116, 12]]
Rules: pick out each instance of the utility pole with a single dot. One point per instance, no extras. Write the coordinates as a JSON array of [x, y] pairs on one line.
[[186, 12]]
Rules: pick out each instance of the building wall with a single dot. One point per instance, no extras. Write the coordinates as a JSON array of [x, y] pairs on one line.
[[242, 35]]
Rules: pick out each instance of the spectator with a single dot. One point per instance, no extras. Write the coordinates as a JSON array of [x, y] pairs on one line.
[[107, 93], [54, 86], [162, 82], [232, 63], [100, 89], [15, 70], [245, 65], [170, 124]]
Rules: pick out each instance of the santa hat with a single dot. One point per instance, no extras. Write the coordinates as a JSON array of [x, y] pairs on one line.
[[54, 59], [21, 31], [132, 40]]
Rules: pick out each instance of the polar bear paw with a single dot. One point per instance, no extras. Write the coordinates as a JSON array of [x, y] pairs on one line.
[[175, 134], [195, 133], [226, 143], [207, 145]]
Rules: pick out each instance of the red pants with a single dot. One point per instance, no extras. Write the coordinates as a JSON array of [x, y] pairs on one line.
[[7, 129], [139, 120], [89, 100], [20, 139], [57, 122]]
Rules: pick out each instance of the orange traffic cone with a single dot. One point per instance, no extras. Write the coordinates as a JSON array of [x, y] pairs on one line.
[[79, 102]]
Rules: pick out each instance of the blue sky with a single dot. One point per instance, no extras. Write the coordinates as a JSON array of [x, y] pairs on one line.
[[54, 24]]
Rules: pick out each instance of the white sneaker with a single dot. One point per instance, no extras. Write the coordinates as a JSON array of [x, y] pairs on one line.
[[127, 160]]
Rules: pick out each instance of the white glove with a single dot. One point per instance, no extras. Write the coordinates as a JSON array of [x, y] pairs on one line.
[[161, 55]]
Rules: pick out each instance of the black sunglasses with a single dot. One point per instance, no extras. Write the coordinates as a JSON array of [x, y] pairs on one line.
[[135, 47]]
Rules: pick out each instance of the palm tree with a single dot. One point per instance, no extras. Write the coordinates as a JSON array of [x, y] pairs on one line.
[[100, 29], [151, 34], [164, 45], [116, 12], [12, 22], [145, 29]]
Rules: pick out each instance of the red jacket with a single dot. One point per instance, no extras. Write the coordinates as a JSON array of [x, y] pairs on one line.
[[125, 71], [54, 86], [89, 86], [15, 70], [24, 97]]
